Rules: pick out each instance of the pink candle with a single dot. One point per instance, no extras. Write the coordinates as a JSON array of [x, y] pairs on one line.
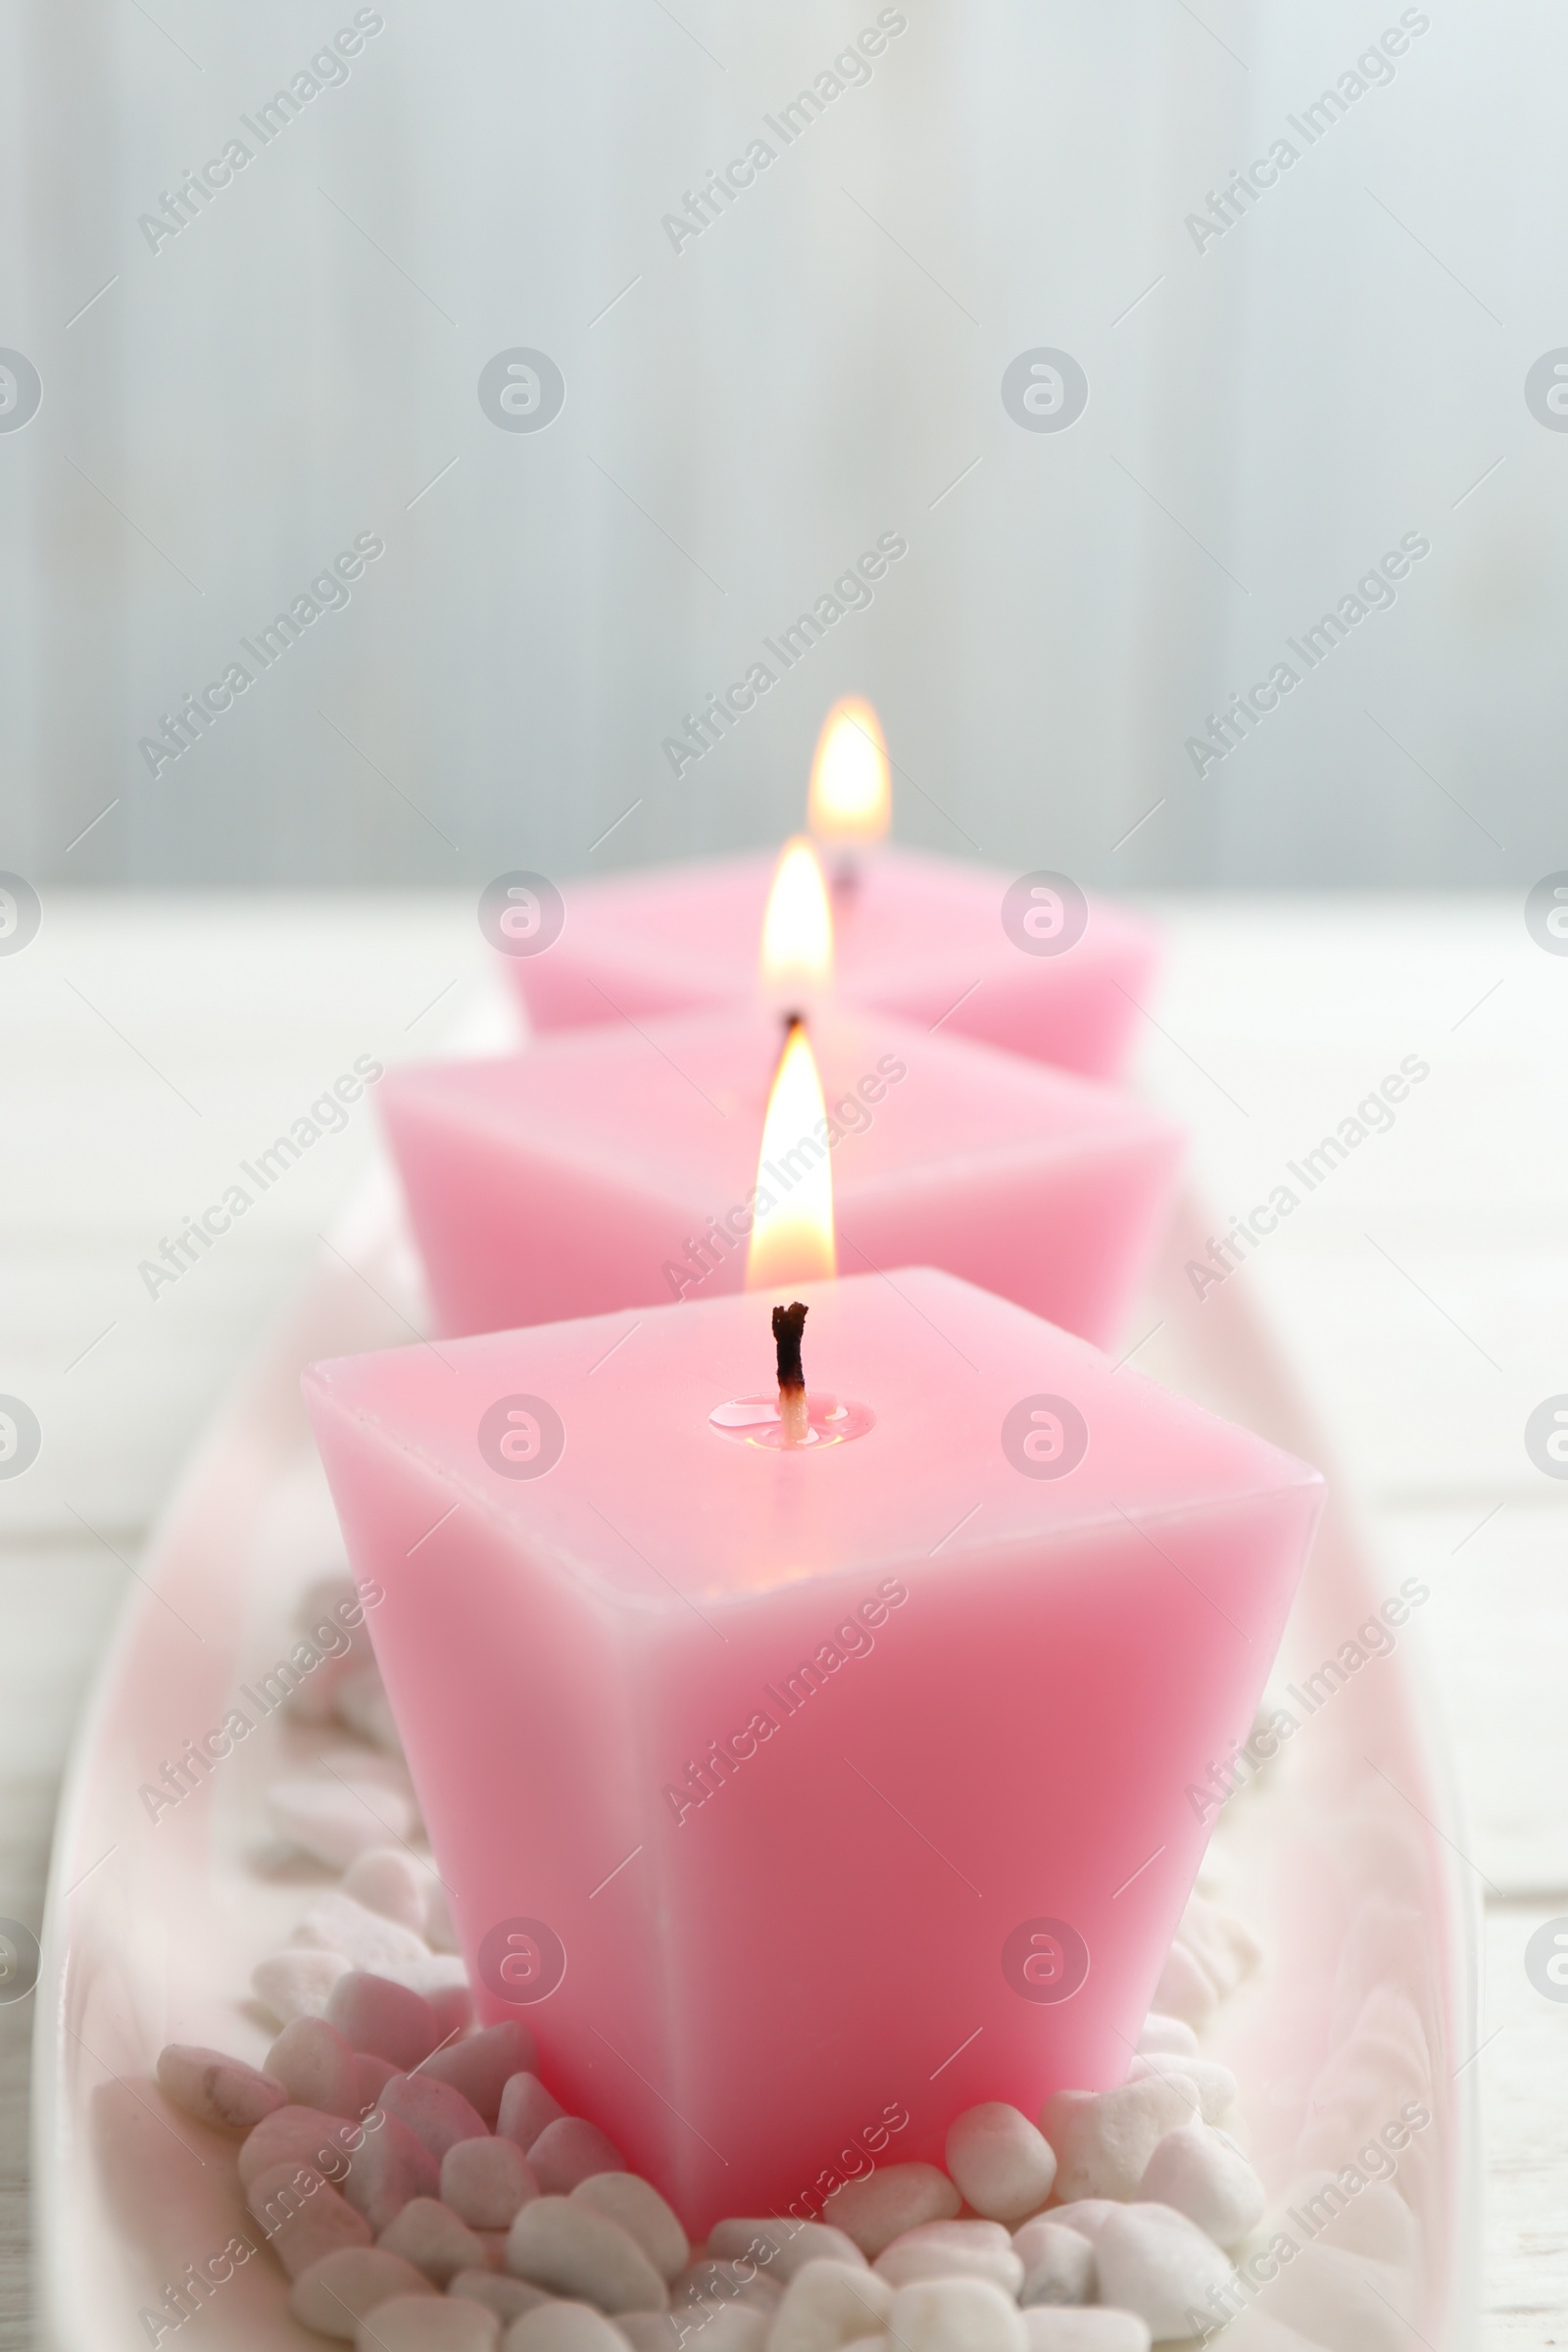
[[800, 1797], [619, 1166], [1024, 962]]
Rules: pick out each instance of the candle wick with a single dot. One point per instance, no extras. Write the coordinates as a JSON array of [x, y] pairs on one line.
[[788, 1324]]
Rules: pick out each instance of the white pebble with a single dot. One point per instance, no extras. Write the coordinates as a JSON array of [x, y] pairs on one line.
[[569, 2151], [316, 2067], [429, 2324], [360, 1702], [1053, 2330], [1058, 2263], [1003, 2165], [829, 2304], [1156, 2262], [1223, 1943], [1104, 2142], [508, 2298], [708, 2326], [655, 2331], [956, 2315], [487, 2182], [336, 1923], [781, 2248], [1186, 1991], [388, 1880], [635, 2203], [1214, 2085], [298, 1983], [716, 2284], [302, 2215], [373, 2014], [371, 2075], [895, 2198], [335, 1823], [1202, 2174], [298, 2135], [1167, 2035], [434, 2111], [1334, 2297], [526, 2109], [218, 2091], [482, 2065], [1088, 2216], [563, 2328], [389, 2168], [568, 2248], [952, 2250], [334, 2293], [430, 2235]]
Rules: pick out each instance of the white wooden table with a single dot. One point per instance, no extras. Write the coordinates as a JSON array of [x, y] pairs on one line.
[[152, 1042]]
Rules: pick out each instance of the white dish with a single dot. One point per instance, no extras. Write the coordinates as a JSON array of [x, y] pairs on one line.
[[1342, 1856]]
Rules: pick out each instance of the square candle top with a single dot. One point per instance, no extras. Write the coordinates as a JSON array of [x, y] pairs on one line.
[[618, 1166], [1027, 963], [785, 1792]]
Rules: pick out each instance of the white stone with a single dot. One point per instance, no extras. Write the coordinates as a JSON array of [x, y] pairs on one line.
[[1059, 2262], [389, 1881], [1050, 2328], [1186, 1990], [706, 2327], [316, 2067], [1156, 2262], [1201, 2173], [526, 2109], [298, 2135], [952, 2250], [635, 2203], [339, 2291], [659, 2332], [434, 2111], [569, 2151], [1336, 2297], [430, 2235], [374, 2014], [482, 2064], [297, 1983], [780, 2248], [721, 2285], [829, 2304], [487, 2182], [1088, 2216], [1167, 2035], [1103, 2141], [439, 1932], [221, 2092], [1222, 1943], [1003, 2165], [894, 2198], [563, 2328], [387, 2169], [557, 2243], [429, 2324], [1215, 2084], [956, 2315], [336, 1923], [302, 2215], [337, 1822], [508, 2298]]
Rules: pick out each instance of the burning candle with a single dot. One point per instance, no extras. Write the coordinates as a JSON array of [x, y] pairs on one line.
[[1027, 963], [619, 1166], [831, 1784]]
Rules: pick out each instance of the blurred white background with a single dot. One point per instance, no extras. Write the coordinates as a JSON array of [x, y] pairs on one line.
[[1270, 410]]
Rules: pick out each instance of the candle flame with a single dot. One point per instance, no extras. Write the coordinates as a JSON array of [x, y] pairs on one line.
[[852, 797], [791, 1238], [797, 927]]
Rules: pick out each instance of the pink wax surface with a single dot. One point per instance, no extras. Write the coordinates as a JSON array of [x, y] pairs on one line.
[[575, 1178], [919, 937], [986, 1690]]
